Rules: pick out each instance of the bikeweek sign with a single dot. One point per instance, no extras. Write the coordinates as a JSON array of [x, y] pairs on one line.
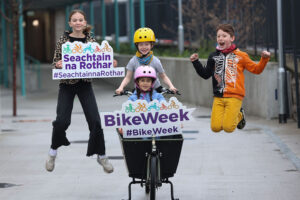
[[87, 60], [141, 119]]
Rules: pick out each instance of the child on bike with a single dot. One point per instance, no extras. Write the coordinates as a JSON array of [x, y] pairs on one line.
[[144, 79], [226, 67], [83, 89], [144, 39]]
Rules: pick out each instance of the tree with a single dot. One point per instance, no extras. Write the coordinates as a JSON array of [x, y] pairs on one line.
[[201, 17], [195, 13], [244, 15], [13, 6]]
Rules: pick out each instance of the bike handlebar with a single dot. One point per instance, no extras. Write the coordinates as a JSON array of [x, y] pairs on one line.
[[167, 91], [163, 92], [125, 92]]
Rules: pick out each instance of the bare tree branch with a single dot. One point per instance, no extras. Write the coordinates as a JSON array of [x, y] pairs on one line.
[[4, 16], [201, 17]]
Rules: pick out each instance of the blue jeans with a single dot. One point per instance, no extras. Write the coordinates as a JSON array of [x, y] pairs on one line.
[[66, 95]]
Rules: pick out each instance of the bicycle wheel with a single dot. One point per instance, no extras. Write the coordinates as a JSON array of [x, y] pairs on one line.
[[153, 177]]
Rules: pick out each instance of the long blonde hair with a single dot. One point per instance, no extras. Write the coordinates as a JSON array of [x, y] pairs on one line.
[[88, 27]]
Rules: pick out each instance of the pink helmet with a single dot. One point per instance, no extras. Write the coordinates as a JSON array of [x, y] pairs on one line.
[[144, 71]]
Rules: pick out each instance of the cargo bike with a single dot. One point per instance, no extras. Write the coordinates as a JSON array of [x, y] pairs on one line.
[[151, 161]]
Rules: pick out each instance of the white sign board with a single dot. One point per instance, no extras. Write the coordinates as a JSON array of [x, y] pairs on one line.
[[141, 119], [87, 60]]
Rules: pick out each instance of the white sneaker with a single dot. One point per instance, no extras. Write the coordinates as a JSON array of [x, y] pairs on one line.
[[50, 163], [108, 168]]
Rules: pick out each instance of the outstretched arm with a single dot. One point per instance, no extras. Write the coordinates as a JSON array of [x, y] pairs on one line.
[[125, 82], [167, 81], [258, 68], [203, 71]]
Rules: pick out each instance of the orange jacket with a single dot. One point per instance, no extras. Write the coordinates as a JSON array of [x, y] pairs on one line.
[[228, 72]]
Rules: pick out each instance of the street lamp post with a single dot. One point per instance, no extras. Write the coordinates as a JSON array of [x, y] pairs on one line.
[[180, 28], [281, 70]]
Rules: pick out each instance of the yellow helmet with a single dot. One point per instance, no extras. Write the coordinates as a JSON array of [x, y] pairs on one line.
[[144, 35]]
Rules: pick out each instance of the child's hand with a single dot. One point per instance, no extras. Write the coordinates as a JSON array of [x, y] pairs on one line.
[[265, 54], [119, 90], [120, 131], [59, 64], [173, 89], [194, 57], [115, 63]]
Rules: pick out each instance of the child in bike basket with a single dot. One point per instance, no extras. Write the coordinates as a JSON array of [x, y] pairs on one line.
[[144, 79]]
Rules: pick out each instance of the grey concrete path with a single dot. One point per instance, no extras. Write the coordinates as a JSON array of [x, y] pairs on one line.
[[260, 162]]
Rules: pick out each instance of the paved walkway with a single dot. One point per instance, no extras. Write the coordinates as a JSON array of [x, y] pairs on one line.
[[260, 162]]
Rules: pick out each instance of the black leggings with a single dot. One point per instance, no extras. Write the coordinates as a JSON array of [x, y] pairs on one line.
[[66, 95]]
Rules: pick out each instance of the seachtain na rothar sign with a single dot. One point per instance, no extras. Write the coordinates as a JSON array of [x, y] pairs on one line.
[[141, 119], [87, 60]]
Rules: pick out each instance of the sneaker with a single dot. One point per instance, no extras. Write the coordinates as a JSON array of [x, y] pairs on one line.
[[108, 168], [50, 163], [242, 123]]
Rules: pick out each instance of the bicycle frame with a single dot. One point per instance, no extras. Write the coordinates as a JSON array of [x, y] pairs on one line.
[[154, 176]]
